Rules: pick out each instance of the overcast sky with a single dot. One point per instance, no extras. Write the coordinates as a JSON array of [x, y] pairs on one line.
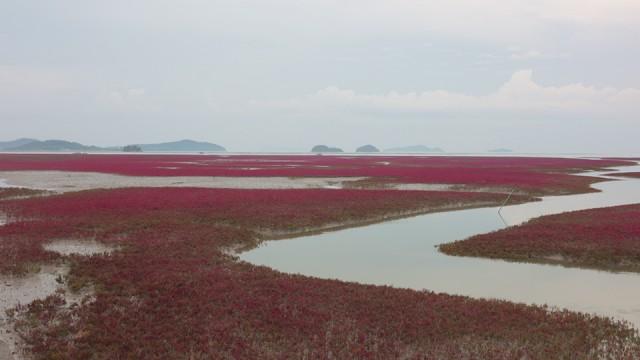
[[283, 75]]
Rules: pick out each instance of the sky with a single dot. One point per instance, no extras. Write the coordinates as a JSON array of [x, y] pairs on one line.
[[542, 76]]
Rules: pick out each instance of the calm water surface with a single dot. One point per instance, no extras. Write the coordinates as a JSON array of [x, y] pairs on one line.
[[402, 253]]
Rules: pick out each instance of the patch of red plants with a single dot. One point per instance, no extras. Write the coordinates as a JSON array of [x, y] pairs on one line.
[[171, 290], [534, 174], [270, 208], [606, 238], [626, 174], [272, 211]]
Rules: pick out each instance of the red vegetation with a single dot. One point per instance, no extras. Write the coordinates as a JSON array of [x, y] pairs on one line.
[[272, 211], [534, 175], [626, 174], [172, 292], [607, 238]]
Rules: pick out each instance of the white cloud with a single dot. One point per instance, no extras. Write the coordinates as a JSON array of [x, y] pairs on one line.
[[519, 93], [526, 55], [123, 98], [519, 54], [131, 93]]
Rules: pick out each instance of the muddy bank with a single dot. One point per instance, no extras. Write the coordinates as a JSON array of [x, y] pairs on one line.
[[62, 181], [267, 235], [23, 290], [78, 247], [46, 281]]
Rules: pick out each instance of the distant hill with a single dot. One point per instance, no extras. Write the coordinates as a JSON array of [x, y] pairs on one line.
[[15, 143], [183, 145], [367, 149], [64, 145], [414, 149], [53, 145], [325, 149], [500, 150]]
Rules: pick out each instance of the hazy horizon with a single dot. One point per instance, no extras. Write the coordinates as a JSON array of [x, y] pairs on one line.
[[532, 76], [110, 148]]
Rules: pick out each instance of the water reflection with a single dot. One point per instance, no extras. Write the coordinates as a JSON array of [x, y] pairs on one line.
[[402, 253]]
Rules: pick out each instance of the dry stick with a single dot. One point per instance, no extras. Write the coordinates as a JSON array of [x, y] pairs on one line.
[[503, 204]]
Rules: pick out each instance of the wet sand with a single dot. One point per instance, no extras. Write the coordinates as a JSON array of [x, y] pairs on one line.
[[77, 247], [23, 290], [16, 290], [64, 181]]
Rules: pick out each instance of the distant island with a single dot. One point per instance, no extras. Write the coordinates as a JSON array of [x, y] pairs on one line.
[[414, 149], [325, 149], [132, 148], [500, 150], [4, 145], [34, 145], [52, 145], [183, 145], [367, 149]]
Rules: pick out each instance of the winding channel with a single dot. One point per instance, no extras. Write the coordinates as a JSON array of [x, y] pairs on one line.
[[402, 253]]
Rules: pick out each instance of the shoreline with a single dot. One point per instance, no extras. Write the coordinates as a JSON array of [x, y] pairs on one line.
[[271, 236], [596, 246]]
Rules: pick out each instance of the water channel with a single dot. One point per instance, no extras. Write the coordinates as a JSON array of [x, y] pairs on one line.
[[403, 253]]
